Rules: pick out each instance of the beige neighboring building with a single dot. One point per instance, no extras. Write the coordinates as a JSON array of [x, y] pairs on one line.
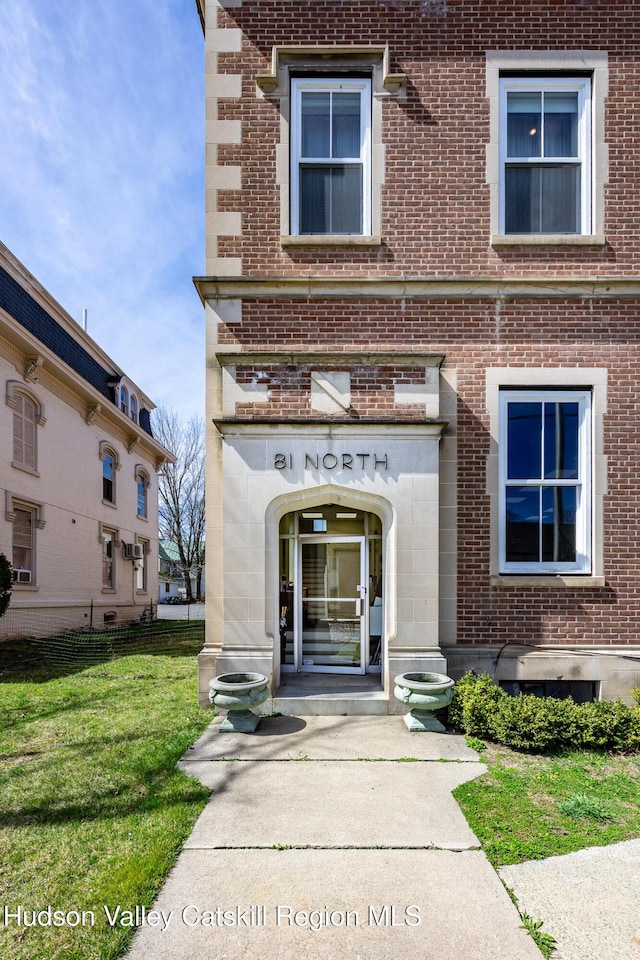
[[79, 470]]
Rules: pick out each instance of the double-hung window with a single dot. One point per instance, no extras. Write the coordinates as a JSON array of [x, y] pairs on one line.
[[331, 156], [23, 547], [545, 481], [545, 155]]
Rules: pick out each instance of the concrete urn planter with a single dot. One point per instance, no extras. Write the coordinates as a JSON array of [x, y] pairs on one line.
[[424, 692], [237, 693]]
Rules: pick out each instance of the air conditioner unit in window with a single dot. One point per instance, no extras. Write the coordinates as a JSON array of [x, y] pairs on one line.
[[133, 551], [22, 576]]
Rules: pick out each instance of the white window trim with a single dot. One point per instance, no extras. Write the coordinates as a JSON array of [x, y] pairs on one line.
[[560, 379], [582, 483], [15, 502], [534, 62], [333, 61], [362, 85], [15, 389], [542, 84]]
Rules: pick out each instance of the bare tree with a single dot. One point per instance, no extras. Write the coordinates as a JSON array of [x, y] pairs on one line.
[[181, 515]]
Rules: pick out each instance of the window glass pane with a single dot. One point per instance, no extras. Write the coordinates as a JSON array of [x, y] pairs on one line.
[[346, 199], [315, 199], [346, 125], [142, 497], [524, 441], [331, 199], [561, 124], [522, 199], [523, 124], [559, 524], [542, 199], [523, 524], [560, 204], [561, 441], [107, 478], [315, 124], [22, 540]]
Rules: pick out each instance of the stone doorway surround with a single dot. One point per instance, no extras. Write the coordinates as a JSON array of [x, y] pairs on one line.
[[261, 470]]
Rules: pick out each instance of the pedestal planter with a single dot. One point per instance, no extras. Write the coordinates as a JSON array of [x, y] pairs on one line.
[[237, 693], [424, 692]]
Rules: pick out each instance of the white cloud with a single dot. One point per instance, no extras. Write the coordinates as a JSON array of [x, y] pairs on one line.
[[101, 109]]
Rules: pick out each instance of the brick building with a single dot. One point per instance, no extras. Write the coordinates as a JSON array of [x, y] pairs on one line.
[[422, 296]]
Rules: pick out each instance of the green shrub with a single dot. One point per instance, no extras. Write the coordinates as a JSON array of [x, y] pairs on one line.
[[6, 583], [475, 705], [536, 723], [609, 725], [541, 724]]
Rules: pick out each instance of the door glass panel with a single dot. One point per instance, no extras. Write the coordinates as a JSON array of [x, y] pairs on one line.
[[286, 611], [375, 602], [331, 604]]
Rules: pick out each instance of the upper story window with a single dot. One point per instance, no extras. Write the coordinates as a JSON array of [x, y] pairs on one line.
[[331, 156], [27, 417], [142, 486], [24, 432], [547, 157], [110, 465], [545, 151], [545, 481], [124, 400], [133, 407]]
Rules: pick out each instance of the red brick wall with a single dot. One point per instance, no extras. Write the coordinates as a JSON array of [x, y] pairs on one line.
[[474, 335], [435, 203], [435, 223]]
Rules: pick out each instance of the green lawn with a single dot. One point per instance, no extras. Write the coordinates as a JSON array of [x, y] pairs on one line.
[[529, 807], [92, 809]]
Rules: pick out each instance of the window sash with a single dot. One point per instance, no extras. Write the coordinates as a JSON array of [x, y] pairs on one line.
[[330, 157], [108, 557], [24, 432], [142, 495], [545, 156], [108, 467], [545, 482], [23, 540]]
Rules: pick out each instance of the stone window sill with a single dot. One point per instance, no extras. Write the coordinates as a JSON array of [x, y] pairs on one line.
[[25, 468], [329, 240], [548, 240], [546, 581]]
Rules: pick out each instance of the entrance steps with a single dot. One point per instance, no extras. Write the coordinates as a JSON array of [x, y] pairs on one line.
[[330, 695]]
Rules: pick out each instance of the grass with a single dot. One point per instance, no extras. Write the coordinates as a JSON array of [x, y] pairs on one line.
[[529, 807], [93, 810]]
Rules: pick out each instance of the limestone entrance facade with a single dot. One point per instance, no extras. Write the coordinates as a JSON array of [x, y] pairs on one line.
[[329, 552]]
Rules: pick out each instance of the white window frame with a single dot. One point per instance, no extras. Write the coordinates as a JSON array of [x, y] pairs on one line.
[[108, 535], [299, 85], [541, 84], [583, 484]]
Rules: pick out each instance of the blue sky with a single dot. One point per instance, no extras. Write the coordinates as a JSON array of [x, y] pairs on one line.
[[101, 175]]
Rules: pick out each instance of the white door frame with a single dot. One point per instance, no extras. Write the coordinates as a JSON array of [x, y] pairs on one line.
[[362, 600]]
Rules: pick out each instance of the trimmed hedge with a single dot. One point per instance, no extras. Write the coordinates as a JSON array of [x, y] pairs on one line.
[[542, 724]]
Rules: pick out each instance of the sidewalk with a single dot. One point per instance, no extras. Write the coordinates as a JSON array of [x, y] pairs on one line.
[[322, 840]]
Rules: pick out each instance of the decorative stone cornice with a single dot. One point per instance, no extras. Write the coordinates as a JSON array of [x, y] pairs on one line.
[[310, 428], [329, 58], [408, 288], [328, 358]]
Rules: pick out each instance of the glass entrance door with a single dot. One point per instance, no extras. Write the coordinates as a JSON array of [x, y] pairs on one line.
[[332, 604]]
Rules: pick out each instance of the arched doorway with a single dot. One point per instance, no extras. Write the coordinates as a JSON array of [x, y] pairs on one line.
[[331, 602]]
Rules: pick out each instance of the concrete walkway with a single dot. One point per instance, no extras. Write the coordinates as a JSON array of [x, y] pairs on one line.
[[332, 838]]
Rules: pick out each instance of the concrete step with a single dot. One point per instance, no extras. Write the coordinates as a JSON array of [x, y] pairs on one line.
[[329, 695]]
